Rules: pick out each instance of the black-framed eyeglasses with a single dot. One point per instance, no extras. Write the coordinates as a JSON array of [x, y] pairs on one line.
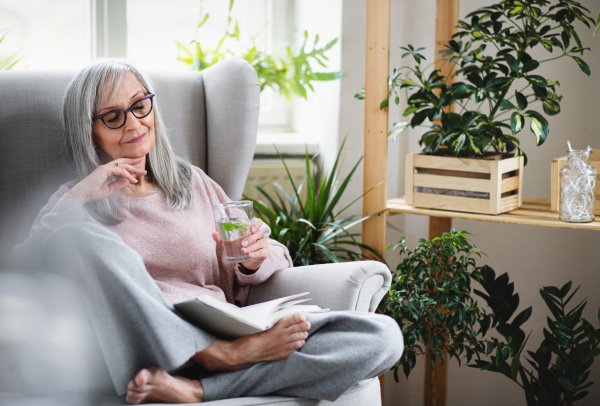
[[116, 118]]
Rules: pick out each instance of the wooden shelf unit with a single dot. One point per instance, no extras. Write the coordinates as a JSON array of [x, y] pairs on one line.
[[533, 212]]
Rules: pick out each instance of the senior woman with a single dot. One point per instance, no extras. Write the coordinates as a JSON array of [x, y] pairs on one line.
[[137, 226]]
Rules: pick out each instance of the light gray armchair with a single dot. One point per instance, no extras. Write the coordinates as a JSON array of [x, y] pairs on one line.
[[212, 118]]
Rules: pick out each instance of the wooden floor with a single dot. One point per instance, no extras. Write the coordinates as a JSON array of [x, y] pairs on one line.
[[534, 212]]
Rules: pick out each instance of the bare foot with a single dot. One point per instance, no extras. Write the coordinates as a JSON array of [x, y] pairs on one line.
[[286, 336], [156, 385]]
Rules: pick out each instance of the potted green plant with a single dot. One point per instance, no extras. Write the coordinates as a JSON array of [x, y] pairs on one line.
[[434, 299], [289, 75], [493, 91], [310, 227], [559, 369], [431, 299]]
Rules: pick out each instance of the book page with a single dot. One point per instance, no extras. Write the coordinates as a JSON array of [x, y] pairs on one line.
[[229, 321], [222, 319], [288, 311], [262, 312]]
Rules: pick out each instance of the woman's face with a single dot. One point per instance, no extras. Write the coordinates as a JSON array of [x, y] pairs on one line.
[[136, 137]]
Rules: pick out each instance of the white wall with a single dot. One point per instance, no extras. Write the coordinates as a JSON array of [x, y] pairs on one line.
[[532, 256]]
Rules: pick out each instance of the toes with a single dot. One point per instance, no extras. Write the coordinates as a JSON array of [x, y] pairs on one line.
[[142, 377], [133, 398], [303, 326], [299, 336], [294, 319]]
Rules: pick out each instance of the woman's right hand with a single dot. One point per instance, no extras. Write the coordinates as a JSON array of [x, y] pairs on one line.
[[94, 186]]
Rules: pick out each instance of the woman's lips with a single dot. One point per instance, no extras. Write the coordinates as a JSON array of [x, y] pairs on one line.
[[136, 139]]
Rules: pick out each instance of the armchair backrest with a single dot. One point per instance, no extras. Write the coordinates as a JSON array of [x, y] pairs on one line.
[[211, 117]]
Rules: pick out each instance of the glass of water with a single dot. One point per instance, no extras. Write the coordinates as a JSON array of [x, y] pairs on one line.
[[233, 221]]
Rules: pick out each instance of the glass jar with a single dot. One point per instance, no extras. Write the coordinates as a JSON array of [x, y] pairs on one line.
[[577, 188]]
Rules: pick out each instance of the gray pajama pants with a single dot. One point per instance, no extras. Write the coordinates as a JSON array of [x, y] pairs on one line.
[[137, 328]]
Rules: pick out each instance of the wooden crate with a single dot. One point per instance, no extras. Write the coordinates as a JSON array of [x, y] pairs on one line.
[[555, 168], [488, 186]]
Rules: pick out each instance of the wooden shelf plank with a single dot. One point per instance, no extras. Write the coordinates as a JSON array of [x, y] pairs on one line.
[[533, 212]]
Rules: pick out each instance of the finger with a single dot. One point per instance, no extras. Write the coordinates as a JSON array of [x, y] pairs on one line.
[[252, 239], [217, 237], [130, 161], [256, 225], [126, 166], [260, 253], [118, 184], [133, 169], [124, 173]]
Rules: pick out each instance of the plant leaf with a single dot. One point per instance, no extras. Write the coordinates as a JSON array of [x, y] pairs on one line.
[[521, 100], [512, 62], [539, 126], [516, 122], [582, 65], [507, 105], [458, 143], [397, 128]]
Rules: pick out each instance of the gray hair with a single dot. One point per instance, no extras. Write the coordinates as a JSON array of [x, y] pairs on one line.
[[92, 87]]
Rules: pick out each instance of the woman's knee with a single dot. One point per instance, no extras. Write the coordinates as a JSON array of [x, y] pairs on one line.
[[389, 337], [77, 234], [71, 245]]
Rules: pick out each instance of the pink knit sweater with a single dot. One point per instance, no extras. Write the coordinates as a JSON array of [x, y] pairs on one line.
[[176, 246]]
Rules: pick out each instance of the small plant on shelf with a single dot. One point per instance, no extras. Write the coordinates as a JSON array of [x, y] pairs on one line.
[[494, 84]]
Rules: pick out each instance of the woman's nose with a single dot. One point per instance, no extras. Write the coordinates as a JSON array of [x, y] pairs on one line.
[[132, 122]]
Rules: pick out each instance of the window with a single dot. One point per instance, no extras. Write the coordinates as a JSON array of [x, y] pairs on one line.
[[70, 33], [46, 34]]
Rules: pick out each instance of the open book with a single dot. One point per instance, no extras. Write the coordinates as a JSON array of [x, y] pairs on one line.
[[225, 320]]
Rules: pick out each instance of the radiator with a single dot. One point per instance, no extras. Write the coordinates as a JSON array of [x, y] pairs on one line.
[[265, 172]]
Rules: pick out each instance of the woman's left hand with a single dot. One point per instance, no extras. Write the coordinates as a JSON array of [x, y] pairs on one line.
[[254, 245]]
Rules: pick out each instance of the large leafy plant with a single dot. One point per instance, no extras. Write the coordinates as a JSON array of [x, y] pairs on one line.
[[311, 228], [431, 299], [434, 299], [559, 369], [494, 84], [289, 75]]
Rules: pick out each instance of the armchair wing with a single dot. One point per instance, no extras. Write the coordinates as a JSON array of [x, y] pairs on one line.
[[357, 286]]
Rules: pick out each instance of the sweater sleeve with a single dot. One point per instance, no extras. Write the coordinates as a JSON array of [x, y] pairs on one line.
[[62, 208], [279, 258]]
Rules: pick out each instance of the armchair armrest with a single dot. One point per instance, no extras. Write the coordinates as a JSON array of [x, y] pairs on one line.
[[357, 286]]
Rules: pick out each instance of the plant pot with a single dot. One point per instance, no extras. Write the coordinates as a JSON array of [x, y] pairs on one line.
[[487, 185]]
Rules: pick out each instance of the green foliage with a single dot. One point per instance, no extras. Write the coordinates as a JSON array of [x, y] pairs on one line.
[[431, 300], [560, 367], [235, 225], [597, 25], [288, 75], [310, 229], [492, 83], [10, 61]]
